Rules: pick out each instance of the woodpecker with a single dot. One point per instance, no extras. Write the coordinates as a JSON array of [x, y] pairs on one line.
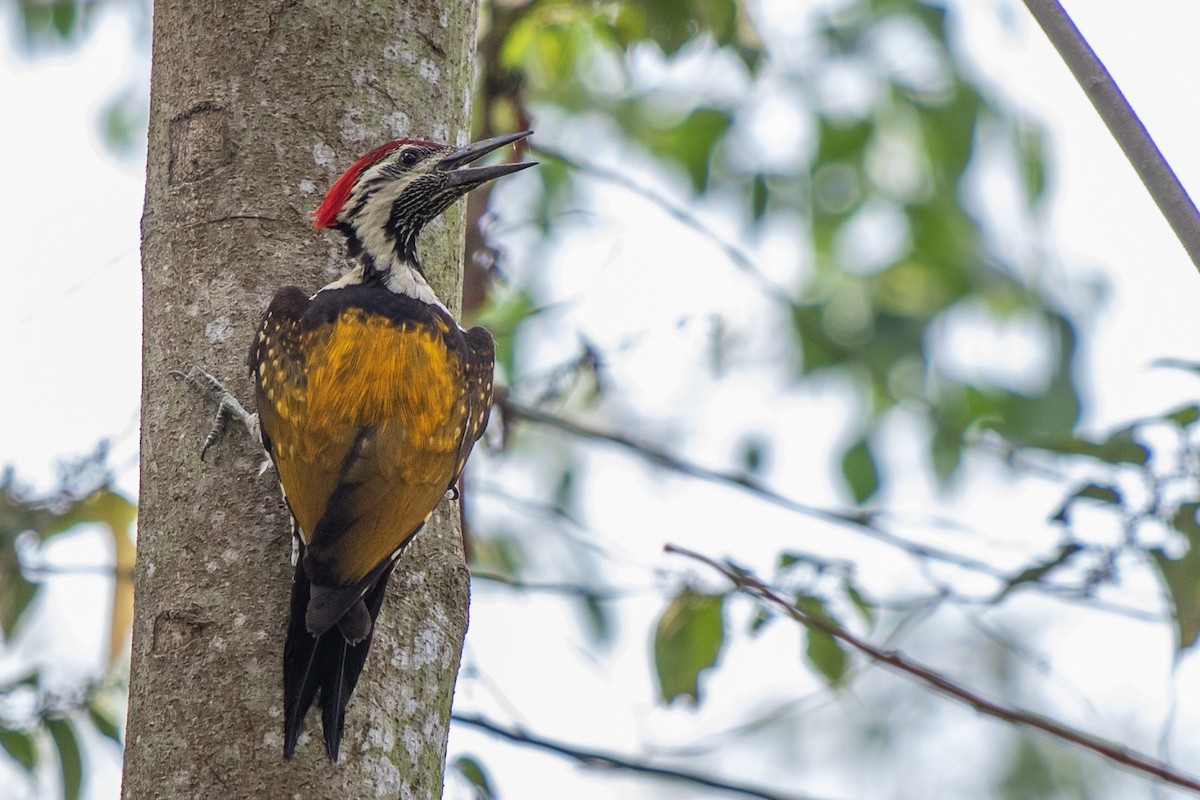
[[369, 399]]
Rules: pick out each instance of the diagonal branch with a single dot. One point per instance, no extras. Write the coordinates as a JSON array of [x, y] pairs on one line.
[[597, 760], [862, 522], [948, 687], [681, 214], [1123, 123]]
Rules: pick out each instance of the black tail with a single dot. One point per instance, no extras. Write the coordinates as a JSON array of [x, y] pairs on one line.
[[327, 663]]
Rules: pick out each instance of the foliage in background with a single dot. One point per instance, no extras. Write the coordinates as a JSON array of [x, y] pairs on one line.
[[36, 717], [900, 130]]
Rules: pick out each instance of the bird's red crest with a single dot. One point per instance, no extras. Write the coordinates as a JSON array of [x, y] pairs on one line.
[[325, 216]]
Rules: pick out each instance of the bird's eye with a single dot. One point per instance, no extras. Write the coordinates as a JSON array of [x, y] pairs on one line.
[[409, 157]]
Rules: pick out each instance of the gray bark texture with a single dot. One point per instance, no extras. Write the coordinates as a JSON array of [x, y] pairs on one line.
[[255, 110]]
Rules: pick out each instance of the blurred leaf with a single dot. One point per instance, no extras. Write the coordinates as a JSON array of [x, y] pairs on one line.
[[758, 198], [673, 24], [1090, 491], [842, 140], [22, 746], [1179, 364], [864, 608], [1181, 577], [600, 626], [817, 351], [1031, 153], [66, 742], [502, 314], [103, 718], [1119, 448], [754, 453], [474, 773], [860, 471], [759, 621], [823, 651], [564, 490], [125, 118], [45, 23], [498, 552], [1184, 416], [1037, 572], [691, 142], [63, 18], [1096, 491], [16, 595], [687, 641]]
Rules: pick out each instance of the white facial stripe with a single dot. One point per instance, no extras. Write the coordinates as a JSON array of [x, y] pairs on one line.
[[380, 188]]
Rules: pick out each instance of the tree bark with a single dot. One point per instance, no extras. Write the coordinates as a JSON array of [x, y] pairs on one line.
[[254, 111]]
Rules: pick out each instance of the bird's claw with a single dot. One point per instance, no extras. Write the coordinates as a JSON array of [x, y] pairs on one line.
[[227, 406]]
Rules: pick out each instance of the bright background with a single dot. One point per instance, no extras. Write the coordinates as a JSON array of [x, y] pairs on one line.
[[70, 211]]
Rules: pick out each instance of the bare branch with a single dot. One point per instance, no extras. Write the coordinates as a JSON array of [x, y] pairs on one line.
[[564, 589], [736, 255], [948, 687], [1156, 174], [608, 761], [863, 522]]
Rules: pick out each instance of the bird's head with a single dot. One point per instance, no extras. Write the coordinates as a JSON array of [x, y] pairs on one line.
[[387, 196]]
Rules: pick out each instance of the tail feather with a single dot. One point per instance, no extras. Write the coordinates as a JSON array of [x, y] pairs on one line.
[[326, 663]]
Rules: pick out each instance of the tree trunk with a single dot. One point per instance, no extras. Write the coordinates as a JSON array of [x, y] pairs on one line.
[[255, 109]]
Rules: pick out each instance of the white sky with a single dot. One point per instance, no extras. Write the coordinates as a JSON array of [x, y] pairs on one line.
[[74, 321]]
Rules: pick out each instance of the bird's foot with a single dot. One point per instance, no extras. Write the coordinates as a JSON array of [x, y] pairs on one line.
[[227, 406]]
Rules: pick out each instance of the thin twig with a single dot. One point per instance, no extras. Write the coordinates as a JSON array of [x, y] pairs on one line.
[[1156, 174], [565, 589], [736, 255], [862, 522], [597, 760], [948, 687]]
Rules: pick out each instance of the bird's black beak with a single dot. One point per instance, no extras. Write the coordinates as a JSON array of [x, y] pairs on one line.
[[469, 177]]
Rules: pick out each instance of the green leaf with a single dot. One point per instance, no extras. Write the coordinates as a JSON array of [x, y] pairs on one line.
[[753, 454], [860, 471], [1031, 154], [1097, 491], [840, 140], [62, 732], [1037, 572], [1102, 493], [1181, 577], [861, 604], [22, 746], [16, 594], [691, 142], [946, 452], [823, 651], [787, 559], [104, 720], [599, 623], [758, 198], [1184, 416], [687, 641], [760, 621], [474, 773], [1118, 448], [672, 24], [64, 19], [502, 314]]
